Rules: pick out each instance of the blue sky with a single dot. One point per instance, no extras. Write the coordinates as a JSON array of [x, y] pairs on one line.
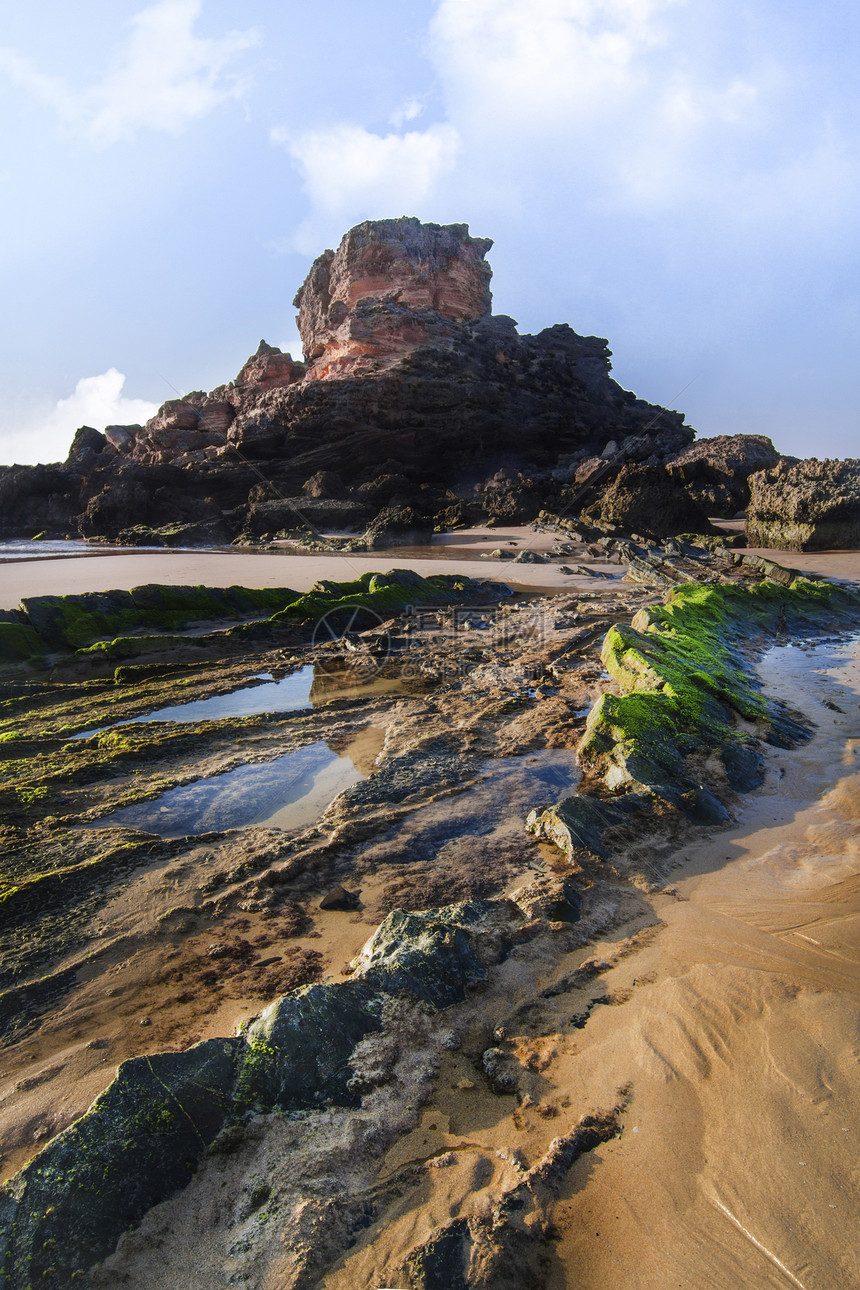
[[680, 176]]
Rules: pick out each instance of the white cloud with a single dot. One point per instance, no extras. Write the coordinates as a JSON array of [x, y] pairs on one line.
[[410, 110], [591, 100], [164, 77], [350, 173], [506, 61], [97, 401], [639, 105]]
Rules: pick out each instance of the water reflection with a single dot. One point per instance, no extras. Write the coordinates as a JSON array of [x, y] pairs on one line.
[[308, 687], [288, 793]]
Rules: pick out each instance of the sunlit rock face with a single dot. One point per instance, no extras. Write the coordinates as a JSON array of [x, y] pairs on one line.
[[392, 286]]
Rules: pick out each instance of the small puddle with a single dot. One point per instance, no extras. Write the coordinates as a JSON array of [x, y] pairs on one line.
[[288, 793], [310, 686]]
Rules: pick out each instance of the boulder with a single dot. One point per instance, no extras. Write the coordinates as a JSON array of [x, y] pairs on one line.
[[141, 1140], [122, 438], [648, 499], [269, 367], [86, 445], [325, 483], [138, 1143], [397, 526], [807, 505], [715, 472]]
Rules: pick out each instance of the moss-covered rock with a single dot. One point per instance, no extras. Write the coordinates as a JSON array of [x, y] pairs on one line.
[[118, 625], [429, 954], [687, 687], [18, 642], [70, 622], [297, 1051], [137, 1144], [360, 604]]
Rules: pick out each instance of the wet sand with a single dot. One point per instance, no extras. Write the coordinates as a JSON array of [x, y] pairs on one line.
[[460, 551], [731, 1028], [218, 568], [737, 1166]]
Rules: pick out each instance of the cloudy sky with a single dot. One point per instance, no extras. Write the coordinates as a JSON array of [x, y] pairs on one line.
[[680, 176]]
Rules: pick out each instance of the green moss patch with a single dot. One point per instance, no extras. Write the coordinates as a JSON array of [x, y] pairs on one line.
[[382, 595], [18, 642]]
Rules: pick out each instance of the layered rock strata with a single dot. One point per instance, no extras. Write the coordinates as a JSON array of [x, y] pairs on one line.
[[391, 286]]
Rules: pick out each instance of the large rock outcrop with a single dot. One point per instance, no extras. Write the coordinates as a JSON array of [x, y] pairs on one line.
[[807, 505], [646, 498], [414, 398]]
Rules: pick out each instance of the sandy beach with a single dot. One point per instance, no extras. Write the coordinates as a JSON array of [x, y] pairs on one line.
[[725, 1010], [124, 569]]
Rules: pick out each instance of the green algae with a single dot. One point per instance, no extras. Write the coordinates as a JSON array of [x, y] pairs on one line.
[[688, 690], [381, 595], [18, 642], [114, 626], [123, 647], [72, 622], [686, 681]]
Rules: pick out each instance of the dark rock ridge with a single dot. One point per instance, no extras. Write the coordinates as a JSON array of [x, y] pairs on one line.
[[417, 408], [141, 1140], [805, 505]]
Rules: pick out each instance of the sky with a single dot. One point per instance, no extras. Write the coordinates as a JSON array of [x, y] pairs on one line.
[[678, 176]]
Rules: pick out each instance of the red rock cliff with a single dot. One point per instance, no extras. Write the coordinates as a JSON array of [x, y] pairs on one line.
[[391, 286]]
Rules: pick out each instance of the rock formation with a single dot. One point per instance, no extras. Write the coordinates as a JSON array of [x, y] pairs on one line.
[[392, 286], [648, 499], [715, 472], [805, 505], [425, 409]]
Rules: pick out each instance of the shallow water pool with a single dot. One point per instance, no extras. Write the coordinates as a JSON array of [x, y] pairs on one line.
[[288, 793], [309, 687]]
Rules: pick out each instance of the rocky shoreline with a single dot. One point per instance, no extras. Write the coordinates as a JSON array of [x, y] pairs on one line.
[[491, 705], [311, 901]]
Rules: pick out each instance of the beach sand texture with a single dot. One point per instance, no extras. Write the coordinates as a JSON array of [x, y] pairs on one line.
[[453, 552]]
